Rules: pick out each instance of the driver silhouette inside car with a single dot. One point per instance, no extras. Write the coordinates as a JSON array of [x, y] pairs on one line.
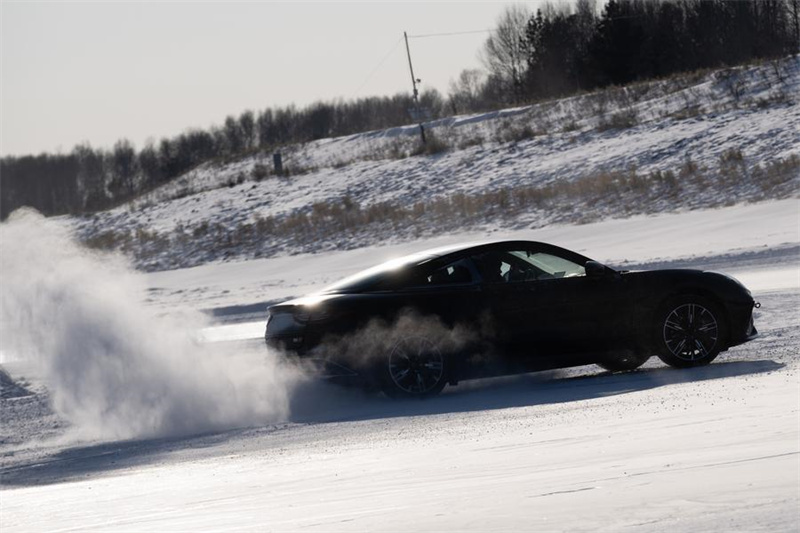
[[491, 268]]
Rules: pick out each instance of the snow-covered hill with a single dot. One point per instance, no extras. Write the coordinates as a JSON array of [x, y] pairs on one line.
[[692, 141]]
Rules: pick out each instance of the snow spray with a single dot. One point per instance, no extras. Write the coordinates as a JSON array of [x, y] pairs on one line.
[[114, 368]]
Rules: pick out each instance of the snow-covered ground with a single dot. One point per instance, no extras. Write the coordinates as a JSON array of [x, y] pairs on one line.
[[712, 449]]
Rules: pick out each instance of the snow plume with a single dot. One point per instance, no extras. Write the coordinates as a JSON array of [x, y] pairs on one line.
[[114, 369], [379, 338]]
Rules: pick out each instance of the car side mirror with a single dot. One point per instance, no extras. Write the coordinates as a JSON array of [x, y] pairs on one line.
[[595, 270]]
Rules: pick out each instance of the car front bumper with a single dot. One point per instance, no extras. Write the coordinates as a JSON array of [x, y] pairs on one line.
[[742, 324]]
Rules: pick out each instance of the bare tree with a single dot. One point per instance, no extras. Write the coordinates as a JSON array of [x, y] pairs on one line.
[[505, 52], [233, 136], [247, 126], [265, 128], [794, 20], [91, 176], [123, 168], [150, 164], [586, 12], [465, 92]]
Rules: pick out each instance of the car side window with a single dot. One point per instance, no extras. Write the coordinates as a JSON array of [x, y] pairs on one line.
[[457, 272], [495, 267], [525, 265], [552, 266]]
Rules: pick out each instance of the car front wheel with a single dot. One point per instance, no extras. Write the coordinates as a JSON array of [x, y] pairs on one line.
[[690, 331]]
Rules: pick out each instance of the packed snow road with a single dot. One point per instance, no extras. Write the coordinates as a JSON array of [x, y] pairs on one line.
[[714, 448]]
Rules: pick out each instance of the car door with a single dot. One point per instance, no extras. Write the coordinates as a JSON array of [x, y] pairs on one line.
[[583, 315], [448, 289], [546, 309], [517, 318]]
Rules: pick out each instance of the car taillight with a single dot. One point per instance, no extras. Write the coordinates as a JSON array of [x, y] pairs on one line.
[[286, 320], [302, 316], [305, 316]]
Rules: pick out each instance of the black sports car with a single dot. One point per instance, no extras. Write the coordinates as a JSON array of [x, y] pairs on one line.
[[412, 325]]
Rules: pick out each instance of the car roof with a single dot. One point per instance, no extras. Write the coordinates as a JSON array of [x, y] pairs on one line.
[[357, 281], [485, 245]]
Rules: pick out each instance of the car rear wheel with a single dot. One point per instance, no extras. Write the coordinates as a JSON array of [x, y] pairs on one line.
[[690, 331], [414, 368]]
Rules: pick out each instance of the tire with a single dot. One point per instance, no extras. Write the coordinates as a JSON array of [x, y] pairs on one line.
[[689, 331], [624, 361], [414, 368]]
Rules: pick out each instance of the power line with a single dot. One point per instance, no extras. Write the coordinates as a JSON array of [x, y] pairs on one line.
[[369, 77], [423, 36]]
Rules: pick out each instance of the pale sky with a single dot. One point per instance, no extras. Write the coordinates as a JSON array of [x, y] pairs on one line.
[[98, 72]]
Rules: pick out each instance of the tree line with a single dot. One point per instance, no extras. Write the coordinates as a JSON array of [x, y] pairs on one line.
[[558, 51], [555, 51], [89, 179]]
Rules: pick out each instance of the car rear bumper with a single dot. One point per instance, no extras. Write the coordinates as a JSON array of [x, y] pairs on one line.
[[294, 343], [296, 348]]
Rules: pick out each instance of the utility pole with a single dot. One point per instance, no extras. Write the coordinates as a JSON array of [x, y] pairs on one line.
[[414, 82]]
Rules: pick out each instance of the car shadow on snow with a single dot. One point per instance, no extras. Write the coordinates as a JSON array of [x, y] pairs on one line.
[[538, 388], [318, 403], [87, 461]]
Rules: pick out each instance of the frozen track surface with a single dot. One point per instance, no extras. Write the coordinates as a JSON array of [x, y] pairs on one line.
[[716, 448]]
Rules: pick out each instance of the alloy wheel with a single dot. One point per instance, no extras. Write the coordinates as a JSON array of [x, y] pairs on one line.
[[691, 332], [416, 366]]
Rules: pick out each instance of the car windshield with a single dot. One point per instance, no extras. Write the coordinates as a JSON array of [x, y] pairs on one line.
[[373, 277], [552, 265], [500, 266]]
